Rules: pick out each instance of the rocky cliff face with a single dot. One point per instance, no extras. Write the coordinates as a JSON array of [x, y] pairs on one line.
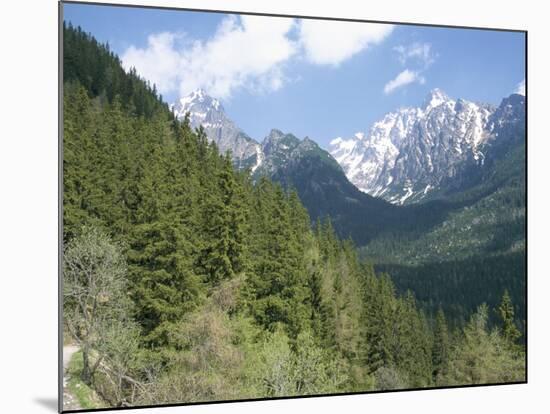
[[413, 151], [209, 113], [277, 150]]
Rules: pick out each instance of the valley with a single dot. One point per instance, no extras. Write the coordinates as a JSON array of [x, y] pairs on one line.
[[454, 173]]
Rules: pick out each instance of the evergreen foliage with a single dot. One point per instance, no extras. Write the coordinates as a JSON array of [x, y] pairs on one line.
[[510, 332], [441, 346], [482, 355]]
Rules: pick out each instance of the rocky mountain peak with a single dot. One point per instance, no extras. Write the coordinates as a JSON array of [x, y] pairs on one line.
[[198, 102], [435, 98], [509, 117], [209, 113], [279, 142], [274, 135]]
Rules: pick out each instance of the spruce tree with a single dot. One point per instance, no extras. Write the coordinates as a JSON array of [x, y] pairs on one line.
[[441, 346], [222, 253], [506, 312]]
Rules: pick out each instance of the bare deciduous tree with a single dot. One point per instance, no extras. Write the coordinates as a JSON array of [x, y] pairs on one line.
[[94, 274]]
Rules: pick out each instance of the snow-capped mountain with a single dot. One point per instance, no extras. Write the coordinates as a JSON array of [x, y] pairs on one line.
[[209, 112], [412, 151], [275, 152], [407, 156], [295, 163]]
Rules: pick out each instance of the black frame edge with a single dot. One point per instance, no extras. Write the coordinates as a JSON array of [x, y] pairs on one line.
[[60, 209]]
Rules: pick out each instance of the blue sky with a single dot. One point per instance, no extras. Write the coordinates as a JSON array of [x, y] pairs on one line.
[[312, 78]]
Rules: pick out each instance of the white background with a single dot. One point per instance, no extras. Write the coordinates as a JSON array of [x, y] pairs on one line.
[[28, 205]]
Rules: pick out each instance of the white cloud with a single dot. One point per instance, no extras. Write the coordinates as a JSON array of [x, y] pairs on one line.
[[247, 51], [520, 88], [158, 63], [420, 56], [420, 52], [406, 77], [328, 42]]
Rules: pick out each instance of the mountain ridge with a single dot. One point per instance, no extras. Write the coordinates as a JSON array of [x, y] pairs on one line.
[[273, 152], [323, 183], [413, 151]]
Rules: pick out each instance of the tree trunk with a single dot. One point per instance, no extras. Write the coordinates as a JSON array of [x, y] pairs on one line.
[[86, 374]]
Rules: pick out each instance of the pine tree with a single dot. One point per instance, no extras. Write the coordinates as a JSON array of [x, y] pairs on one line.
[[277, 278], [79, 123], [506, 312], [222, 253], [483, 356], [380, 307], [165, 285], [318, 310], [411, 344], [441, 346]]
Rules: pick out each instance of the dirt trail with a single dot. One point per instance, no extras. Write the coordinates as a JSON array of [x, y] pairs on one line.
[[70, 402]]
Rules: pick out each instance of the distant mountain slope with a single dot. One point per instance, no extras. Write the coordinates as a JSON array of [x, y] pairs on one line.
[[486, 219], [300, 164], [321, 182], [481, 239], [323, 186], [414, 153]]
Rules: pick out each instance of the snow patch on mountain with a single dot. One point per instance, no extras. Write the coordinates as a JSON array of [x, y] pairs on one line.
[[259, 159], [409, 152]]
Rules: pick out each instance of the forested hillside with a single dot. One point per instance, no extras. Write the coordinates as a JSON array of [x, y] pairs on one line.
[[477, 251], [184, 281]]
